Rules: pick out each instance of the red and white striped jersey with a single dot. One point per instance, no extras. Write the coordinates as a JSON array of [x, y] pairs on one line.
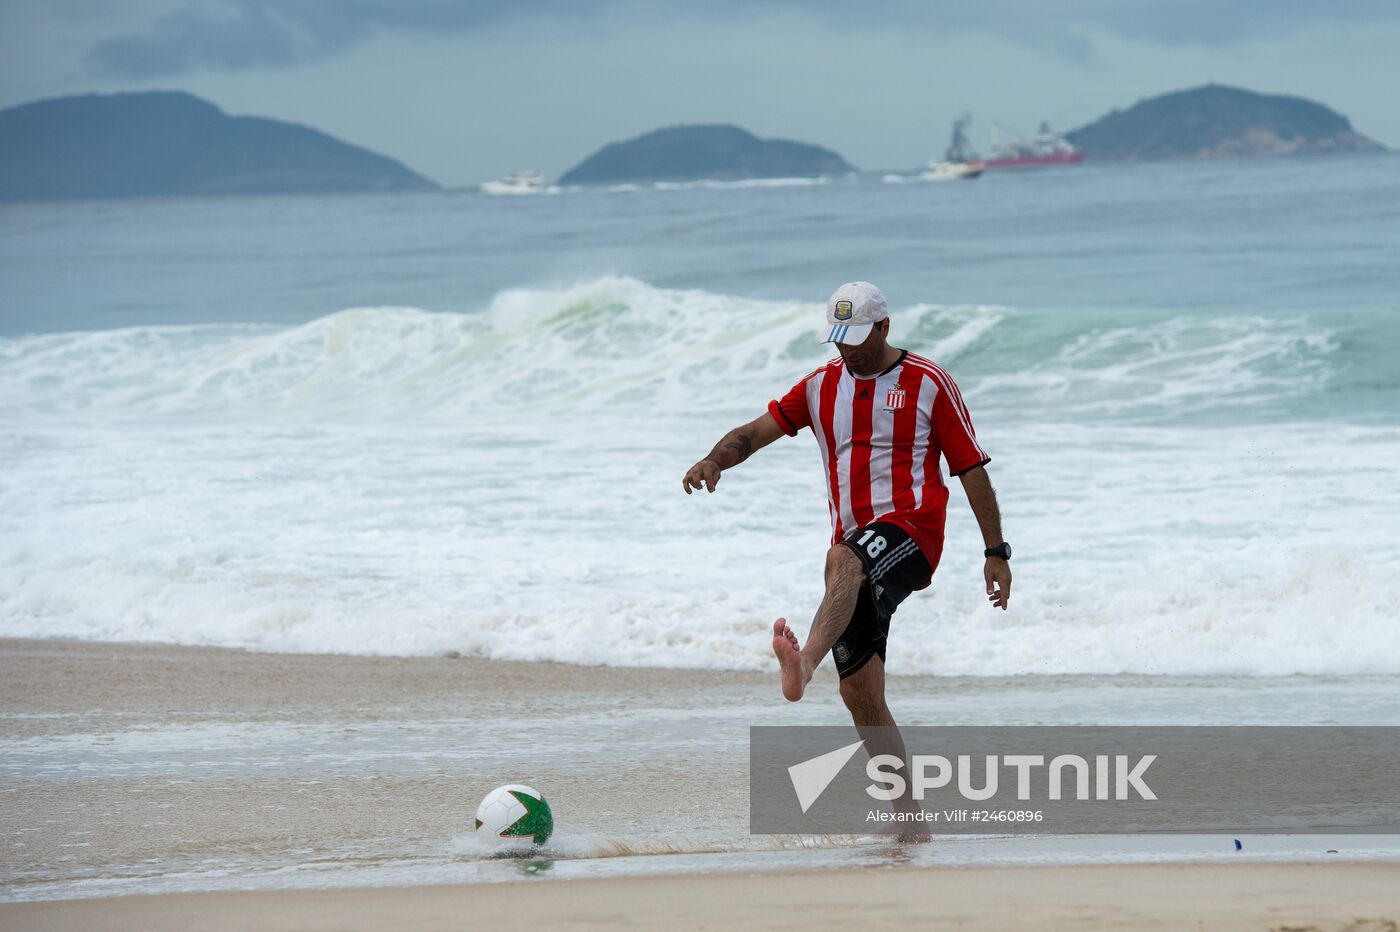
[[880, 439]]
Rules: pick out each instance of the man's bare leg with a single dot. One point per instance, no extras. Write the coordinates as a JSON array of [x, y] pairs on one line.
[[844, 575], [864, 695]]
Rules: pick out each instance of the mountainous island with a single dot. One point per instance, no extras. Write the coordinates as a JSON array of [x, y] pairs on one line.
[[172, 143], [1215, 121], [704, 152]]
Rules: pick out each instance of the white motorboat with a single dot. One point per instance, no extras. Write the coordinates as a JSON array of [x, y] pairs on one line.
[[946, 171], [959, 161], [526, 182]]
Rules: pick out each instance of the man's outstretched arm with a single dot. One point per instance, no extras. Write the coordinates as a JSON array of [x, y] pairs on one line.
[[983, 499], [735, 447]]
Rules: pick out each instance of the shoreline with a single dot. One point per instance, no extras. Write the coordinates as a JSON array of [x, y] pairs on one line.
[[579, 672], [1299, 897], [150, 770]]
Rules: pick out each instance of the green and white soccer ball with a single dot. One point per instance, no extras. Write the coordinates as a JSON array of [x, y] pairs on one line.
[[514, 812]]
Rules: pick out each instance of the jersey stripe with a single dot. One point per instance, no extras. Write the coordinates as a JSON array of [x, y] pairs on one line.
[[923, 429], [813, 388], [826, 412], [933, 478], [841, 424], [881, 446], [906, 420], [862, 410], [933, 470]]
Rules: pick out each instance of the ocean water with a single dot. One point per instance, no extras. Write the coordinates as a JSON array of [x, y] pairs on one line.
[[416, 424], [449, 423]]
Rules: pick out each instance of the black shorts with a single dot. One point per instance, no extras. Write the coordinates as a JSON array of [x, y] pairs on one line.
[[894, 567]]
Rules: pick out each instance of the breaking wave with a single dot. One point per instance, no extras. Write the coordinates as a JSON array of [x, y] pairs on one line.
[[505, 483]]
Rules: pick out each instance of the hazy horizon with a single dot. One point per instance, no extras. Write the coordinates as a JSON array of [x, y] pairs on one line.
[[463, 92]]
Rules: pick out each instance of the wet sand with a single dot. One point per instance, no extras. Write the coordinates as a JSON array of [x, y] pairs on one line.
[[1292, 897], [86, 678], [142, 761], [144, 769]]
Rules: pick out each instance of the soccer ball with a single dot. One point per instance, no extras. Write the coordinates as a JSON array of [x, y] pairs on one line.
[[514, 811]]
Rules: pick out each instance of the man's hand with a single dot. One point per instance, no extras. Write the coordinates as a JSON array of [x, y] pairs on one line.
[[998, 574], [983, 499], [704, 473]]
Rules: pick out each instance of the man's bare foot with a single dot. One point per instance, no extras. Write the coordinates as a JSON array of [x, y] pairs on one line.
[[914, 838], [789, 659]]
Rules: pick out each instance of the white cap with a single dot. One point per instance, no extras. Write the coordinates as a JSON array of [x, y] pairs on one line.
[[851, 311]]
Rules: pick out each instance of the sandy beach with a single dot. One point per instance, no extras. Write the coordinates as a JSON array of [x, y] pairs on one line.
[[1280, 897], [119, 756], [155, 783]]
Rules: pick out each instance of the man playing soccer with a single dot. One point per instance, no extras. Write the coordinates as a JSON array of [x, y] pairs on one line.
[[882, 416]]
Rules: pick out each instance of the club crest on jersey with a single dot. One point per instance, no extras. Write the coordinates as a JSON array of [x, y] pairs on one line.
[[844, 310], [894, 399]]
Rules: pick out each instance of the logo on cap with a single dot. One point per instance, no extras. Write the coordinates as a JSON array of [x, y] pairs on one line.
[[844, 310]]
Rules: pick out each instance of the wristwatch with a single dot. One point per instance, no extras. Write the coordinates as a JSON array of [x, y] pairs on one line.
[[1002, 550]]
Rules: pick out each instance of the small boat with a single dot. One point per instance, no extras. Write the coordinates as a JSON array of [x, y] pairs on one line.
[[947, 170], [526, 182], [960, 161]]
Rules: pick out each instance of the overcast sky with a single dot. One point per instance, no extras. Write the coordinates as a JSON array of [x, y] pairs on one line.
[[466, 91]]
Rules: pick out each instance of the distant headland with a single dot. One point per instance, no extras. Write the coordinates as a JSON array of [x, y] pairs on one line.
[[171, 143], [704, 152], [1216, 121]]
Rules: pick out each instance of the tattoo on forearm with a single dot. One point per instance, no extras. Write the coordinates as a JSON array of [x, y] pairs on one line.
[[742, 446], [732, 450]]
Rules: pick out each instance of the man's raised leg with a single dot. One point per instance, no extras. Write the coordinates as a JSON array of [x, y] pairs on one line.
[[844, 576]]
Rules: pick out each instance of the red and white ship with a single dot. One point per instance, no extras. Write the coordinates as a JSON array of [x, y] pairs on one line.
[[1046, 147]]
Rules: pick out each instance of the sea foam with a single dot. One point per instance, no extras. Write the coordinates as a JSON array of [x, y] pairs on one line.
[[506, 484]]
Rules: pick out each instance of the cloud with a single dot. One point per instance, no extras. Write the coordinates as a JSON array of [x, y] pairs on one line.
[[1215, 23], [234, 35], [185, 41], [1164, 22]]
